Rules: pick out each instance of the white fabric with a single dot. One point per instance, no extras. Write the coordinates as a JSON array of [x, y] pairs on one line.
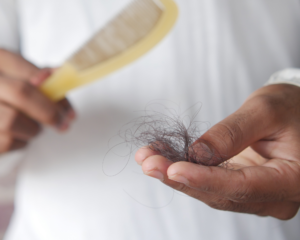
[[219, 52], [9, 38], [286, 76]]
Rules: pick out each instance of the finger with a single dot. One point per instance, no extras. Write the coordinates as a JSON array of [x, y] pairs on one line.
[[15, 66], [255, 120], [9, 143], [156, 166], [277, 180], [40, 76], [31, 101], [143, 153], [17, 124], [67, 107], [70, 114], [280, 210]]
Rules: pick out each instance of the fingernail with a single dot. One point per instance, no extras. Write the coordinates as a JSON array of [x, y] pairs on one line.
[[155, 174], [141, 155], [201, 153], [64, 127], [71, 114], [65, 120], [180, 179], [40, 77]]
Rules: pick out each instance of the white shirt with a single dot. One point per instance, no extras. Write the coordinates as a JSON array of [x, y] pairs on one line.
[[219, 52]]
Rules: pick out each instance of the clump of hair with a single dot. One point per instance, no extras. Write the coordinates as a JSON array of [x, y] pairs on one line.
[[170, 135]]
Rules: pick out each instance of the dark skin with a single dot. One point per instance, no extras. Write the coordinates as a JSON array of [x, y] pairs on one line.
[[262, 139], [23, 108]]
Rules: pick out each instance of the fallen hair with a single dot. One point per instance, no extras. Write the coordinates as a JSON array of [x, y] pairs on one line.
[[171, 137]]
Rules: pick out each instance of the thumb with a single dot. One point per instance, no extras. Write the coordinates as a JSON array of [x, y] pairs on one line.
[[252, 122], [40, 76]]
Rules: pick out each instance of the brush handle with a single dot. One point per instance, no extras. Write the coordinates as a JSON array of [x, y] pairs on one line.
[[68, 78], [60, 82]]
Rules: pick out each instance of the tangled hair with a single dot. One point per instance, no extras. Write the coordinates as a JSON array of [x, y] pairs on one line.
[[170, 135]]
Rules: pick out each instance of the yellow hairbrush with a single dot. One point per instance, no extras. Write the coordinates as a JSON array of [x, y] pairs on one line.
[[136, 30]]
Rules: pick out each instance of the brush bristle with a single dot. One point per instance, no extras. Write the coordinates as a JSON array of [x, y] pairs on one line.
[[130, 26]]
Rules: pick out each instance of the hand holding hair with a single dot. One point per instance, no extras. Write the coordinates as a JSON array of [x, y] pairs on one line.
[[261, 140]]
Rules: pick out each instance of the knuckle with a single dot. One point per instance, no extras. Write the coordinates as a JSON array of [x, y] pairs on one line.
[[229, 135], [280, 195], [11, 119], [6, 142], [52, 117], [268, 105], [220, 204], [36, 130], [22, 90], [232, 206], [242, 195], [8, 118], [246, 192], [182, 188]]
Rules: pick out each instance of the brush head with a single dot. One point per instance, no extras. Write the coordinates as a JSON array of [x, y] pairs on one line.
[[134, 32], [124, 31]]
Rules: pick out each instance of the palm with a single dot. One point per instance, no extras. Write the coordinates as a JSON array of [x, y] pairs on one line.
[[247, 158]]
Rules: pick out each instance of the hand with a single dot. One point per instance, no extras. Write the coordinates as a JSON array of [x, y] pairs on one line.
[[262, 139], [22, 106]]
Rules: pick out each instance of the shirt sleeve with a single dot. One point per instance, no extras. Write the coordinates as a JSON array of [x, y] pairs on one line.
[[9, 34]]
